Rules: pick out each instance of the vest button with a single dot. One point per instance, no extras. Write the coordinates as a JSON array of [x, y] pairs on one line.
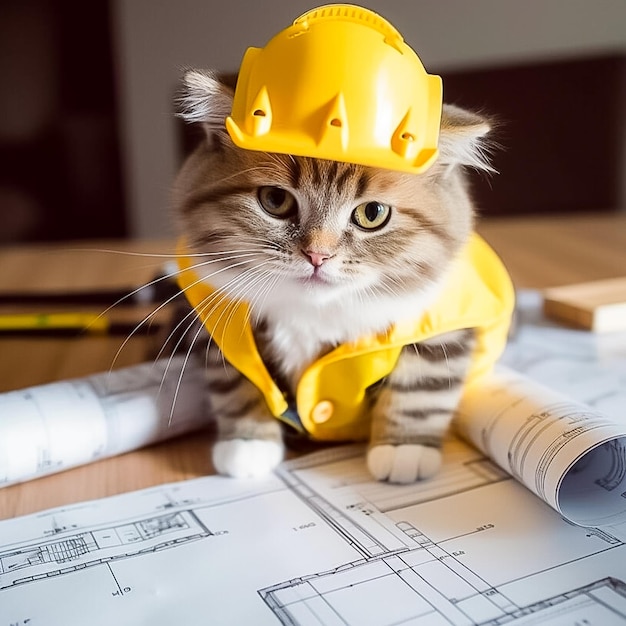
[[322, 411]]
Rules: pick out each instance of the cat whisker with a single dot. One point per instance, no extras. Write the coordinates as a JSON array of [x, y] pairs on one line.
[[229, 287], [223, 269], [268, 288], [267, 245], [278, 158], [220, 253], [383, 288], [221, 259], [161, 306], [186, 359], [264, 283], [159, 279], [209, 305], [196, 315], [150, 255], [238, 289], [249, 170]]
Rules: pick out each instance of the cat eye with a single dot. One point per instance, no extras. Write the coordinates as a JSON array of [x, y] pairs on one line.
[[371, 215], [278, 202]]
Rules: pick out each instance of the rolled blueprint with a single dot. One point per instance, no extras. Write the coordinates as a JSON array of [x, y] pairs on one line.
[[568, 454], [53, 427]]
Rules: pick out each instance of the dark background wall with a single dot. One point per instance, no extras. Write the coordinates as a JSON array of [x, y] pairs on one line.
[[61, 172], [89, 144], [560, 126]]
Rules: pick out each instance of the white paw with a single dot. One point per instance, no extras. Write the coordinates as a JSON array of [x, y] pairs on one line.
[[403, 464], [246, 458]]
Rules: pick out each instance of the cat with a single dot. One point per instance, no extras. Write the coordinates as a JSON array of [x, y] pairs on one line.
[[323, 254]]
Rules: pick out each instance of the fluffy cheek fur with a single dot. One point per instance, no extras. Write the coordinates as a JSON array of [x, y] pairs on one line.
[[415, 250]]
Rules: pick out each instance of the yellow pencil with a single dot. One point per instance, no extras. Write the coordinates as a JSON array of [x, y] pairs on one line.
[[68, 324]]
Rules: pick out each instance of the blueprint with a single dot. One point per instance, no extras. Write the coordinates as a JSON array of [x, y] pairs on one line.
[[566, 452], [50, 428], [319, 542]]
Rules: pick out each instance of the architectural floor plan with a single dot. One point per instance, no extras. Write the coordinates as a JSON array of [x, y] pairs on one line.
[[473, 548], [319, 543]]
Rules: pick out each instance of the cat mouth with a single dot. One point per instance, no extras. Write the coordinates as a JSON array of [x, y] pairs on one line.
[[314, 280], [317, 278]]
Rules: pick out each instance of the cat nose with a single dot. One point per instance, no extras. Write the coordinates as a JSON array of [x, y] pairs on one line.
[[316, 258]]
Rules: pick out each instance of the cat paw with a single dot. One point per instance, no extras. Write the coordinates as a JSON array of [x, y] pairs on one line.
[[246, 458], [403, 464]]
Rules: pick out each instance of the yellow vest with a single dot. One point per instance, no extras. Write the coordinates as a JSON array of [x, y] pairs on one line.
[[330, 396]]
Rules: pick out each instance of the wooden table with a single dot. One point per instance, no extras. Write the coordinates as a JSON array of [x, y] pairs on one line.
[[539, 252]]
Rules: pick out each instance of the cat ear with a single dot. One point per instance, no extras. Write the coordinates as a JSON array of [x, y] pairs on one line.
[[206, 100], [462, 139]]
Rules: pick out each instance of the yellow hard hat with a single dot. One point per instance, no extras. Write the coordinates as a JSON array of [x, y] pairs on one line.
[[340, 84]]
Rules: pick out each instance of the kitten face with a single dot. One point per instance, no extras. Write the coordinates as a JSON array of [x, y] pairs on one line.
[[283, 227]]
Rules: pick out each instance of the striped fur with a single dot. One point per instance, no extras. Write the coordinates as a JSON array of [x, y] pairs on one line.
[[314, 278], [416, 404]]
